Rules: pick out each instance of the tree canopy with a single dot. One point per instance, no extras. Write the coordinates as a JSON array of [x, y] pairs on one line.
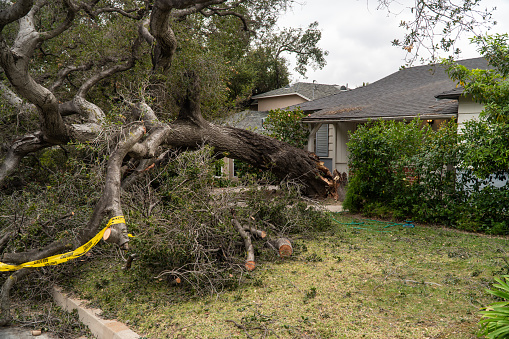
[[485, 140]]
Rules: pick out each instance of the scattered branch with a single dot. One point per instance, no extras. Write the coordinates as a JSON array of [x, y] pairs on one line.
[[250, 259]]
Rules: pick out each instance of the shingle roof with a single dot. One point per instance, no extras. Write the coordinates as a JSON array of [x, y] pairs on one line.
[[250, 120], [303, 89], [452, 94], [407, 93]]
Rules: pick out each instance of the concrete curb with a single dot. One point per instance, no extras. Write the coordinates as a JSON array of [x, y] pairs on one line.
[[100, 328]]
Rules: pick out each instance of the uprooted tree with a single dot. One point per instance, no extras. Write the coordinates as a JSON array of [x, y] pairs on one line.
[[75, 72], [50, 89]]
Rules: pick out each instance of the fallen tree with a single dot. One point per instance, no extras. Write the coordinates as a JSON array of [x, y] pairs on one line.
[[68, 76], [66, 115]]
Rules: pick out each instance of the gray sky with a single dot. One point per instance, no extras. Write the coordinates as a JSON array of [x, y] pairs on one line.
[[358, 38]]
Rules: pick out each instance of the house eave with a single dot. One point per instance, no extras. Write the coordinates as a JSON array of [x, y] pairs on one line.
[[281, 95], [365, 119]]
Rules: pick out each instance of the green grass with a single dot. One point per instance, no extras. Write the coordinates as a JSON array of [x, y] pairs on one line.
[[353, 281]]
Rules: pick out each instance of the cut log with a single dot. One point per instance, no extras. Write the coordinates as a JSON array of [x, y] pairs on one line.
[[284, 247], [250, 260], [174, 281], [250, 265]]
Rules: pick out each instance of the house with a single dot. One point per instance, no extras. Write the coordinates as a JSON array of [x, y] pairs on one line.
[[297, 93], [253, 119], [422, 91]]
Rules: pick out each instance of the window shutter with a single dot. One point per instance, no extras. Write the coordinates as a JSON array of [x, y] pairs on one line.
[[322, 141]]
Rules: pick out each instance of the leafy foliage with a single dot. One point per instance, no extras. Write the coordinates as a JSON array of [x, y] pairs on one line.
[[287, 126], [409, 171], [465, 197], [495, 317], [436, 24], [486, 148], [487, 86], [377, 153]]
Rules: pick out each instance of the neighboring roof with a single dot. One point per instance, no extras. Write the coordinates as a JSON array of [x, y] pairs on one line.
[[408, 93], [250, 120], [452, 94], [305, 90]]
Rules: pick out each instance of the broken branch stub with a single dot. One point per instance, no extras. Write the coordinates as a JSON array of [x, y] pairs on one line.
[[254, 231]]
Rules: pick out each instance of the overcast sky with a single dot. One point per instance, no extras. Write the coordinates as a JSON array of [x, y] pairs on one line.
[[358, 38]]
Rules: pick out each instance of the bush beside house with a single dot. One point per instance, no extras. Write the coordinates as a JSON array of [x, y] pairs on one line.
[[405, 170]]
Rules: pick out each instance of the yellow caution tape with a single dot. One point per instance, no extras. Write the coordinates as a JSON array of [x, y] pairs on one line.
[[61, 258]]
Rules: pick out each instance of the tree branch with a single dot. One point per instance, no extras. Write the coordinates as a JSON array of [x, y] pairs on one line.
[[195, 9], [19, 107], [16, 11], [131, 61], [71, 14], [64, 72], [5, 315], [16, 152], [109, 203], [220, 12]]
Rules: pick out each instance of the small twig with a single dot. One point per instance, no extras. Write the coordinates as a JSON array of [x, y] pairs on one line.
[[5, 239], [239, 326], [421, 282], [151, 207], [54, 221], [384, 279], [295, 287]]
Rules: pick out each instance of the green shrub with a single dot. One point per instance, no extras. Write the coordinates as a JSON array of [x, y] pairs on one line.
[[379, 153], [287, 126], [405, 170]]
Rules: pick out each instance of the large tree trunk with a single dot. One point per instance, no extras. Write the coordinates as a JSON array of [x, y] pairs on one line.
[[282, 159]]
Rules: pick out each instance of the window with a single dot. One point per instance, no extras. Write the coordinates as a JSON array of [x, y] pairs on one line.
[[322, 141]]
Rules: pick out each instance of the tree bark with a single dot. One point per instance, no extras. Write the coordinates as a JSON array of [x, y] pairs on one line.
[[285, 161]]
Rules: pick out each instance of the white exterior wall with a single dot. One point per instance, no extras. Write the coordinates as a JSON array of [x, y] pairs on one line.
[[266, 104], [342, 137], [331, 141], [467, 110]]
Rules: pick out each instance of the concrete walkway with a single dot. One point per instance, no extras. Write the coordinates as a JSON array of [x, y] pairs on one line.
[[332, 208], [20, 333]]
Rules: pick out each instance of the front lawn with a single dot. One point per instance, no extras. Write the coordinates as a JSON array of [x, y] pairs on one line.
[[358, 280]]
